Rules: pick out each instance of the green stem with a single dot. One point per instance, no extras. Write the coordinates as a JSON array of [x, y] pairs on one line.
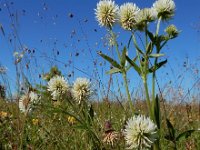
[[158, 26], [117, 47], [147, 96], [127, 91]]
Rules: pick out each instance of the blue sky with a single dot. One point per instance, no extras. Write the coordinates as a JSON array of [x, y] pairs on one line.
[[46, 27]]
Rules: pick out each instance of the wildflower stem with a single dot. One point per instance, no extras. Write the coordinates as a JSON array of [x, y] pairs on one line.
[[158, 26], [127, 91], [147, 96], [115, 43]]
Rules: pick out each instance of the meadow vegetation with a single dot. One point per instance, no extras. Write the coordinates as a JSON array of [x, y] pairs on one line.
[[57, 114]]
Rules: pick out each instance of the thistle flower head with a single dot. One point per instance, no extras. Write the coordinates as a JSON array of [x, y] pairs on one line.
[[106, 13], [140, 132], [144, 16], [81, 89], [164, 8], [58, 86], [172, 31], [127, 13]]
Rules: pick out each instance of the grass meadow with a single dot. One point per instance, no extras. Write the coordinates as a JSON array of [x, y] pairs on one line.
[[52, 107]]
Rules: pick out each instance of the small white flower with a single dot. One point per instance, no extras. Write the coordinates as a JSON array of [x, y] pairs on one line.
[[144, 16], [81, 89], [106, 13], [164, 8], [140, 132], [127, 13], [57, 86]]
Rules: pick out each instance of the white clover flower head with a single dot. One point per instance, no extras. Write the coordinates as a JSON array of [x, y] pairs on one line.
[[34, 98], [26, 101], [106, 13], [58, 86], [145, 16], [127, 13], [164, 8], [81, 89], [140, 132], [172, 31]]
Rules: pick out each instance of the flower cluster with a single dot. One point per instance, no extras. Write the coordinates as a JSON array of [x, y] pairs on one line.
[[106, 13], [140, 132], [130, 16], [127, 15], [164, 8], [58, 86], [27, 100], [172, 31], [81, 89]]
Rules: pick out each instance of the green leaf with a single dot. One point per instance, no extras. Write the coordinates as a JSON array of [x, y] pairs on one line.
[[123, 58], [185, 134], [171, 135], [2, 30], [136, 46], [157, 66], [149, 48], [156, 55], [91, 112], [109, 59], [151, 36], [113, 71], [156, 111], [135, 66]]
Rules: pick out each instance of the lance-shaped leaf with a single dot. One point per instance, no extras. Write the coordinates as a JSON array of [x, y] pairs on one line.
[[151, 36], [157, 66], [123, 57], [135, 66], [109, 59], [156, 55], [137, 48], [171, 135], [156, 111], [185, 134], [149, 48], [113, 71]]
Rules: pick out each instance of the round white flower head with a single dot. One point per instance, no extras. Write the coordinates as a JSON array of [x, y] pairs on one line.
[[26, 101], [106, 13], [33, 97], [58, 86], [140, 132], [164, 8], [144, 16], [127, 13], [81, 89]]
